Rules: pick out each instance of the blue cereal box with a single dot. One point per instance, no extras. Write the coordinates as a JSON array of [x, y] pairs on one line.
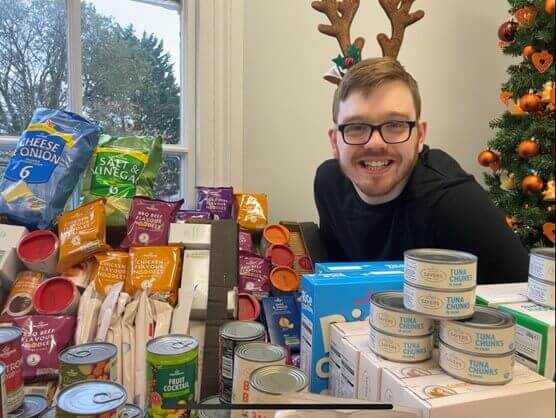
[[360, 267], [282, 317], [334, 297]]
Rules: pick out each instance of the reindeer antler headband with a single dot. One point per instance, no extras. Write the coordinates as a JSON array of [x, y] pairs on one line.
[[341, 14]]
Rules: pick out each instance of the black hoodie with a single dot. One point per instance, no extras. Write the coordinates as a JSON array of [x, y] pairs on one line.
[[441, 207]]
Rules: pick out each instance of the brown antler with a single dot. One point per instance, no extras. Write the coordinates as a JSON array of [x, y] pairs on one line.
[[400, 18], [340, 14]]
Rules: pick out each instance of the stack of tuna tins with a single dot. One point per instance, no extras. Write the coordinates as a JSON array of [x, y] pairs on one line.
[[540, 289], [476, 343]]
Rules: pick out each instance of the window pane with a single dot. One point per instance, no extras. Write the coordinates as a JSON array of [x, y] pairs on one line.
[[131, 67], [5, 155], [167, 185], [33, 60]]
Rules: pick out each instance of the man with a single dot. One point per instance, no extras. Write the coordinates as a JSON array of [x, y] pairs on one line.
[[385, 191]]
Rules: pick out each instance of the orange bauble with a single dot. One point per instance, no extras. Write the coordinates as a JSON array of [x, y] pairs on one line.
[[530, 102], [549, 7], [532, 184], [528, 148], [510, 221], [487, 157], [528, 51]]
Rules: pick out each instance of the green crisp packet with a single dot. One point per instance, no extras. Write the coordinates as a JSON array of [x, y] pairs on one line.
[[121, 168]]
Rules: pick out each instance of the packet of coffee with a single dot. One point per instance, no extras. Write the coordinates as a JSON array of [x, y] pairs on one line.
[[219, 201], [82, 233], [109, 269], [20, 298], [254, 275], [149, 222], [251, 211]]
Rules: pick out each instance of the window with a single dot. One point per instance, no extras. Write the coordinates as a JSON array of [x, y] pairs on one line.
[[128, 79]]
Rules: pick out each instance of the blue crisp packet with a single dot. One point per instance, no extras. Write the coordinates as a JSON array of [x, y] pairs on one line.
[[48, 160], [282, 318]]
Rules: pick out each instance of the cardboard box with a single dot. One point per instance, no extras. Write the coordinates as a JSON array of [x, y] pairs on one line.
[[10, 264], [281, 315], [441, 396], [534, 336], [338, 331], [498, 294], [195, 272], [329, 298], [351, 349], [192, 235], [360, 267], [306, 245]]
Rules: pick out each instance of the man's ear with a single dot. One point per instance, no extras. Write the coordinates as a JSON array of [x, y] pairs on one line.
[[422, 134], [332, 137]]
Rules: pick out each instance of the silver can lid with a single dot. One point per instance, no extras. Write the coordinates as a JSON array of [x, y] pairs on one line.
[[8, 334], [242, 330], [88, 353], [544, 252], [91, 397], [392, 301], [215, 413], [131, 411], [261, 352], [171, 345], [49, 413], [440, 256], [488, 317], [279, 379], [33, 406]]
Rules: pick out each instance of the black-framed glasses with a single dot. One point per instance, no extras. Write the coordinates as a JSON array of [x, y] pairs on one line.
[[391, 132]]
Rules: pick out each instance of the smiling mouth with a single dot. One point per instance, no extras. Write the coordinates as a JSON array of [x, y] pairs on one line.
[[375, 166]]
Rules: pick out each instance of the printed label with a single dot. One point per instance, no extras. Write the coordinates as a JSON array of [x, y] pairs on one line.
[[306, 346], [528, 345], [115, 174]]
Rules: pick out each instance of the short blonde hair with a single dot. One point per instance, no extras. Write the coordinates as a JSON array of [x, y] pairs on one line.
[[370, 74]]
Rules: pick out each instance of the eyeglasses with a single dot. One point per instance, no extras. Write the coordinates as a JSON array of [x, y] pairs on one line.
[[391, 132]]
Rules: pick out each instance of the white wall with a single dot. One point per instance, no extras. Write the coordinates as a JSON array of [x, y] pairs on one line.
[[452, 52]]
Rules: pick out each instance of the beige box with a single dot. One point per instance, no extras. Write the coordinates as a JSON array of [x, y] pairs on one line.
[[498, 294], [195, 274], [192, 235], [441, 396], [10, 264], [351, 349], [339, 331]]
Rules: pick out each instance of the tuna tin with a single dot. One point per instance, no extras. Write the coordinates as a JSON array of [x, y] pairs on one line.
[[95, 361], [213, 413], [541, 292], [401, 348], [33, 407], [249, 357], [231, 335], [387, 314], [131, 411], [91, 399], [10, 355], [481, 369], [3, 410], [488, 331], [541, 264], [440, 269], [172, 370], [437, 304], [268, 385]]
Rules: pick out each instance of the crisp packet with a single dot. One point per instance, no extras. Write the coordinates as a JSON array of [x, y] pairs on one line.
[[149, 222], [245, 241], [254, 274], [109, 269], [251, 211], [185, 215], [45, 167], [82, 233], [219, 201], [157, 268]]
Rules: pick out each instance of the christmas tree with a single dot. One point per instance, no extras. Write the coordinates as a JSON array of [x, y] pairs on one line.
[[521, 153]]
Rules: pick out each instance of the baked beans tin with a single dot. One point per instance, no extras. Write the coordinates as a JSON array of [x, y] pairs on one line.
[[94, 361], [10, 355], [440, 269], [3, 410], [401, 348], [541, 264], [131, 411], [231, 335], [541, 292], [488, 331], [481, 369], [249, 357], [213, 413], [439, 304], [91, 399], [387, 314], [33, 407]]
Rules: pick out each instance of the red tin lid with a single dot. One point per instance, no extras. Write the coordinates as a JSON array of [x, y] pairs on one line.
[[249, 307], [54, 295], [37, 246], [280, 255]]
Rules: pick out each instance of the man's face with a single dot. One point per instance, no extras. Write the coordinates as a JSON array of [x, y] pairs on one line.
[[376, 168]]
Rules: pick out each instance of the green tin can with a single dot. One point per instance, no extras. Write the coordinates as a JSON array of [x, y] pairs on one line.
[[172, 370]]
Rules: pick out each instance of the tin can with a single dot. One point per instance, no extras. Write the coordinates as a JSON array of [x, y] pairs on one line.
[[401, 348], [481, 369], [91, 399], [280, 255], [33, 407], [213, 413], [131, 411], [440, 269], [49, 413], [20, 298], [541, 264], [94, 361], [3, 409], [249, 357], [488, 331], [284, 280], [439, 304], [172, 371], [274, 234], [38, 250], [231, 335], [269, 384], [248, 307], [387, 314], [56, 296], [10, 355], [541, 292]]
